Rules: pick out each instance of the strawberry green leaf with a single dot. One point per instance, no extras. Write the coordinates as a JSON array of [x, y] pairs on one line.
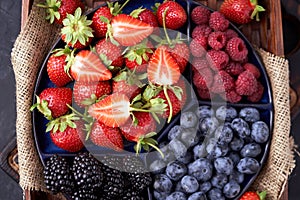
[[135, 13], [177, 91], [104, 19], [121, 76], [137, 98], [105, 60]]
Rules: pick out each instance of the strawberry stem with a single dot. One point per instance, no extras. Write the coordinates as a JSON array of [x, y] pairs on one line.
[[257, 9], [262, 195], [124, 4], [169, 103], [164, 26], [157, 149]]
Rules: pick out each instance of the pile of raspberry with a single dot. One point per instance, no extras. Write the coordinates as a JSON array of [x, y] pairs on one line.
[[220, 60]]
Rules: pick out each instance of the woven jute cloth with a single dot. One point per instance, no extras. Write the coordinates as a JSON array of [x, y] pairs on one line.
[[35, 41]]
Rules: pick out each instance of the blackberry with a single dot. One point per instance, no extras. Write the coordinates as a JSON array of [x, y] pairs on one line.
[[57, 174], [131, 194], [84, 194]]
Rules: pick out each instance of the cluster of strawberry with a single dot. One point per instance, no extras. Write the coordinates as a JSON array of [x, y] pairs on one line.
[[220, 63], [121, 85]]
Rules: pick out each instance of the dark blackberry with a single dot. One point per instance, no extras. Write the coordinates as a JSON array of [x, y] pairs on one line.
[[84, 194], [57, 174], [131, 194]]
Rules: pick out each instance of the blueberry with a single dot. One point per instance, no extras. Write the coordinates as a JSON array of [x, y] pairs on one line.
[[231, 189], [218, 150], [176, 196], [190, 137], [175, 170], [224, 134], [157, 166], [210, 145], [241, 127], [160, 195], [237, 176], [215, 194], [162, 184], [248, 166], [168, 154], [188, 119], [260, 132], [204, 111], [235, 157], [189, 184], [236, 144], [249, 114], [199, 151], [224, 113], [201, 169], [187, 158], [223, 165], [205, 186], [197, 196], [178, 148], [175, 132], [219, 180], [251, 150], [178, 187], [207, 125]]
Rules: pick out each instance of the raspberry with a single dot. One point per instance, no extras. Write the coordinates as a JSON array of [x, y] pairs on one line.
[[199, 63], [203, 79], [218, 22], [204, 94], [236, 49], [246, 84], [198, 46], [200, 15], [232, 97], [253, 69], [230, 34], [201, 30], [217, 59], [217, 40], [234, 68], [222, 82], [257, 95]]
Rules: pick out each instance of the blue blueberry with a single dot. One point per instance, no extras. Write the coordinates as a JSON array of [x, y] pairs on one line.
[[224, 165], [224, 134], [215, 194], [162, 183], [205, 111], [219, 180], [157, 166], [168, 154], [224, 113], [178, 148], [188, 119], [251, 150], [210, 144], [231, 189], [197, 196], [249, 114], [241, 127], [178, 187], [160, 195], [260, 132], [190, 137], [236, 144], [208, 125], [175, 170], [201, 169], [248, 166], [205, 186], [237, 176], [187, 158], [189, 184], [235, 157], [175, 132], [199, 151], [218, 150], [176, 196]]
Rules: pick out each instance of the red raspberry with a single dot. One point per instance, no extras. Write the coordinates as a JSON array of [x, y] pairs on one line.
[[253, 69], [257, 95], [201, 30], [199, 63], [204, 94], [198, 46], [217, 59], [217, 40], [203, 79], [222, 82], [232, 97], [246, 84], [234, 68], [230, 34], [218, 22], [236, 49], [200, 15]]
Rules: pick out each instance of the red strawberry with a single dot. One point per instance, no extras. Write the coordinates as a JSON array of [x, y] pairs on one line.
[[129, 31], [57, 10], [99, 26], [52, 102], [83, 91], [175, 15], [250, 195], [241, 11], [181, 53], [104, 136], [110, 53], [147, 16], [87, 67]]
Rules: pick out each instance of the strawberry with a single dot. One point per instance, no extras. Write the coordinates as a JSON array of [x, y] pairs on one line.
[[174, 14], [181, 53], [241, 11], [147, 16], [77, 32], [66, 132], [52, 102], [87, 67], [57, 10], [129, 31], [104, 136], [250, 195], [110, 53], [86, 93]]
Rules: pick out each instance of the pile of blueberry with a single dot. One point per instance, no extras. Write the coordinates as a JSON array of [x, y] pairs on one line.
[[210, 154]]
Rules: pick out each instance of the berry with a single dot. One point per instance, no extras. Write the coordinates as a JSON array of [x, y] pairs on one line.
[[189, 184], [250, 195], [236, 144], [237, 176], [218, 22], [157, 166], [162, 184], [197, 196], [236, 49], [208, 125], [231, 189], [130, 194], [201, 30], [84, 195], [230, 34], [204, 93], [190, 137], [178, 148], [199, 151], [224, 165], [199, 64], [260, 132], [226, 113], [217, 59], [176, 196], [205, 111], [187, 158], [241, 127], [110, 53], [253, 69], [160, 195], [100, 27], [219, 180], [203, 78], [169, 155], [222, 82], [232, 96], [248, 166], [216, 151], [249, 114], [57, 175], [251, 150], [200, 15], [205, 186], [176, 170], [201, 169], [215, 194], [188, 119], [224, 134], [217, 40], [234, 68], [148, 17], [178, 187], [175, 132], [257, 95], [234, 156], [198, 46]]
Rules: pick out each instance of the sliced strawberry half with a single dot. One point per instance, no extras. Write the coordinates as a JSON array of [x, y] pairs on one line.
[[87, 67], [129, 31]]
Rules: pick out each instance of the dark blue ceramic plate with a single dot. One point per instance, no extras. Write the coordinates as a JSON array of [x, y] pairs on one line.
[[46, 148]]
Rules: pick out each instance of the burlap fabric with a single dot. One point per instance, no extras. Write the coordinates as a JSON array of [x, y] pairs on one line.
[[28, 53]]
